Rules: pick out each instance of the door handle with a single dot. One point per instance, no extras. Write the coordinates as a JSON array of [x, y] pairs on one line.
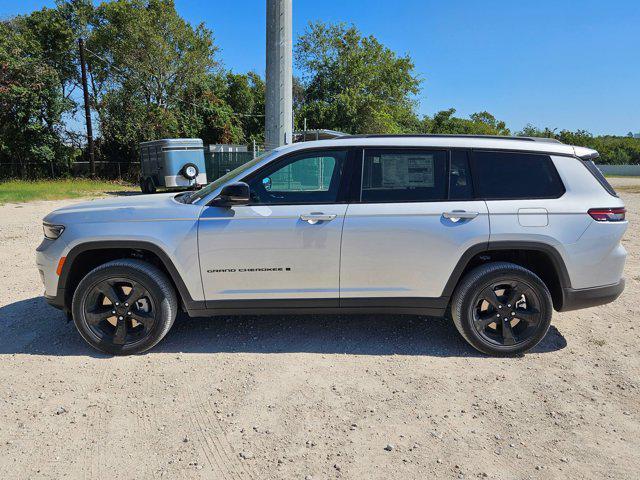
[[457, 215], [315, 217]]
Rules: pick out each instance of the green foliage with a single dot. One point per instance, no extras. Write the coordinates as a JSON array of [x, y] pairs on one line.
[[613, 150], [153, 75], [34, 71], [354, 83], [482, 123]]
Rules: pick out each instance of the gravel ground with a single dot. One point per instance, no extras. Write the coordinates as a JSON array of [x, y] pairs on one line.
[[375, 397]]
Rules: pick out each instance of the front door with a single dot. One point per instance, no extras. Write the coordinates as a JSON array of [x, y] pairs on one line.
[[284, 245], [414, 220]]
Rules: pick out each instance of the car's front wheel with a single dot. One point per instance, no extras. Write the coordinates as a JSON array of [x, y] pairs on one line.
[[502, 309], [124, 307]]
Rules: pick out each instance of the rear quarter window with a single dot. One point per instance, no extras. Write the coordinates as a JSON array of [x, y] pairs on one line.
[[514, 175], [595, 171]]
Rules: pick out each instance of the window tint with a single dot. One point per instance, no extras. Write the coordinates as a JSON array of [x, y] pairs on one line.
[[515, 175], [460, 184], [403, 175], [312, 177]]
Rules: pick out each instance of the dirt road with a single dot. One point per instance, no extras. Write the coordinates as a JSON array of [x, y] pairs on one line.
[[375, 397]]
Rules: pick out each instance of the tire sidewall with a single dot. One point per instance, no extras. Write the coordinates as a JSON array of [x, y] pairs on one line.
[[163, 315], [503, 275]]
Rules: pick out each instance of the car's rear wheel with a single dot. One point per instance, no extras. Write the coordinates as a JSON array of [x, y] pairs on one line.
[[124, 307], [502, 309]]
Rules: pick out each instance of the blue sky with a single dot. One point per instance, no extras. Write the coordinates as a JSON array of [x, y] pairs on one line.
[[557, 63]]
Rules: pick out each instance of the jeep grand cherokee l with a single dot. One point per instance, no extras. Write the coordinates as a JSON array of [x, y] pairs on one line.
[[496, 232]]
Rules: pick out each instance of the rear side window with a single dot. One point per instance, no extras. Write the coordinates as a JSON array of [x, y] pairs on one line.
[[404, 175], [513, 175]]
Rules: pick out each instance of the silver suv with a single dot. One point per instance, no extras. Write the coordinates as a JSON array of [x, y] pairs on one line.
[[494, 231]]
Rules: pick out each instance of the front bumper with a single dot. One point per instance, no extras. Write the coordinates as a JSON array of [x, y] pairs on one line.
[[57, 301], [575, 299]]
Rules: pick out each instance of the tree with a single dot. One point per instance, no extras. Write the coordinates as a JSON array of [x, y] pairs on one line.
[[155, 76], [482, 123], [245, 94], [34, 72], [354, 83]]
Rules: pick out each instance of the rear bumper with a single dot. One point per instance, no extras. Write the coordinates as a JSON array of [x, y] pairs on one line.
[[575, 299]]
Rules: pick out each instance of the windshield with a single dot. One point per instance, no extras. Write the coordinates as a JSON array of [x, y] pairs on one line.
[[194, 197]]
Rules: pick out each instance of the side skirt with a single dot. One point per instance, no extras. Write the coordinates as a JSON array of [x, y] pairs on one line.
[[435, 307]]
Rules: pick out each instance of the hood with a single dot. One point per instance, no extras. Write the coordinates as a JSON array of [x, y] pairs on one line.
[[125, 209]]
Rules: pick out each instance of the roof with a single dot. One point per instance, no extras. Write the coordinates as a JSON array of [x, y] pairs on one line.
[[450, 135], [528, 144], [175, 142]]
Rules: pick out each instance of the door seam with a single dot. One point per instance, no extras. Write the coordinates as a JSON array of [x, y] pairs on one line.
[[344, 219]]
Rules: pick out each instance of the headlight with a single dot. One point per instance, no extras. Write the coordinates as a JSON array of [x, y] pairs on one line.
[[52, 231], [190, 171]]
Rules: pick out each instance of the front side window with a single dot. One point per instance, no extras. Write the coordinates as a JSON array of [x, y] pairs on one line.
[[513, 175], [311, 177], [404, 175]]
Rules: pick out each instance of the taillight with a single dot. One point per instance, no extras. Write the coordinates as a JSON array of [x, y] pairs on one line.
[[608, 214]]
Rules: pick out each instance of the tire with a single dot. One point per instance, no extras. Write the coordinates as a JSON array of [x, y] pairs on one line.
[[135, 327], [490, 289], [151, 186], [183, 171]]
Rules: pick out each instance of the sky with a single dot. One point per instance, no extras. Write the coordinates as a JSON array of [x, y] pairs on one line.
[[552, 63]]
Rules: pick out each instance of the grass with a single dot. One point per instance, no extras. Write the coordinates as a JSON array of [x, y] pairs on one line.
[[16, 191]]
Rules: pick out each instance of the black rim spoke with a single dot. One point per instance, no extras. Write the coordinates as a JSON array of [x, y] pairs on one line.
[[529, 315], [121, 332], [109, 291], [128, 319], [136, 293], [98, 314], [514, 295], [490, 296], [484, 321], [143, 318], [507, 333], [506, 313]]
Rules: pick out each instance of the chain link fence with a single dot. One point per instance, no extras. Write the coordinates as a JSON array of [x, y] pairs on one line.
[[217, 164], [128, 171]]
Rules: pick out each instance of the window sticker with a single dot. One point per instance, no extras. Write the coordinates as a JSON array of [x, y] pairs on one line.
[[402, 171]]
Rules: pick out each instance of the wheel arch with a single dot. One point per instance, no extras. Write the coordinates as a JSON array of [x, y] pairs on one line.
[[542, 259], [84, 257]]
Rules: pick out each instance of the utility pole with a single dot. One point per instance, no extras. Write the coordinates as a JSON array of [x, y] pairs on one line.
[[279, 95], [87, 110]]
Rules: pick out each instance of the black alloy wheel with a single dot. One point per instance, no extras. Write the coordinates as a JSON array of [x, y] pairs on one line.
[[120, 311], [501, 308], [124, 306], [507, 314]]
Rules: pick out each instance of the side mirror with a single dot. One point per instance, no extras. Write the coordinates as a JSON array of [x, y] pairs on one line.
[[233, 194]]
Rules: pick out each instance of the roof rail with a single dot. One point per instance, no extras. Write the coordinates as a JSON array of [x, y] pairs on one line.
[[445, 135]]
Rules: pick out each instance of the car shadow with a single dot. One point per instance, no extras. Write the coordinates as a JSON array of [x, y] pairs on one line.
[[33, 327]]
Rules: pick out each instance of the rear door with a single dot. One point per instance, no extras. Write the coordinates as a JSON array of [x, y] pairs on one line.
[[284, 245], [414, 218]]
